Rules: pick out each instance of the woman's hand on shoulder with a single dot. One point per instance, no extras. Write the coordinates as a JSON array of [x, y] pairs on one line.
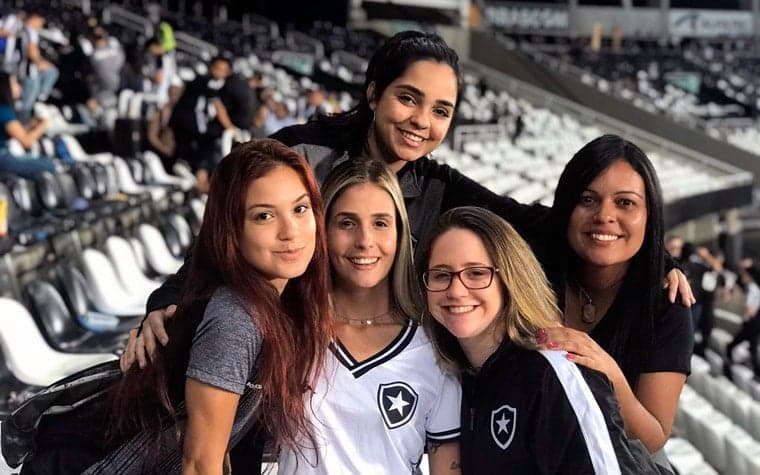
[[141, 347], [581, 349], [677, 283]]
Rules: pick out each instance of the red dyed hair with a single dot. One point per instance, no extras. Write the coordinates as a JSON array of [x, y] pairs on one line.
[[295, 326]]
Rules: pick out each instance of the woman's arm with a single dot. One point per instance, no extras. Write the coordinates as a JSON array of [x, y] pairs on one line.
[[210, 413], [444, 458], [647, 413], [26, 137]]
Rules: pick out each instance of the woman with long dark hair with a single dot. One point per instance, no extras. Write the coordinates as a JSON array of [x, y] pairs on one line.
[[605, 267], [24, 164], [251, 329], [411, 90]]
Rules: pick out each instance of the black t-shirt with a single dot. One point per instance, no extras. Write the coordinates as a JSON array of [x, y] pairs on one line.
[[191, 111], [672, 342]]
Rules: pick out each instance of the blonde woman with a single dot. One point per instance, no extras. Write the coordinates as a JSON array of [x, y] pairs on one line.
[[382, 396], [523, 410]]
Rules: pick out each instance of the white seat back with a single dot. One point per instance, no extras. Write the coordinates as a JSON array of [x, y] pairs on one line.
[[108, 294], [157, 253], [125, 262], [27, 354]]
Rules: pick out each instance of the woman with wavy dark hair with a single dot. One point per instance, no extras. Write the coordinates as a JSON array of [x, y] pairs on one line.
[[260, 271]]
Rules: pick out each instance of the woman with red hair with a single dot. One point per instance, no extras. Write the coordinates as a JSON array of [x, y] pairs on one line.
[[250, 333]]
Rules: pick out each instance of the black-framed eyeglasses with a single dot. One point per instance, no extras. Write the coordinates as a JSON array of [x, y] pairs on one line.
[[474, 278]]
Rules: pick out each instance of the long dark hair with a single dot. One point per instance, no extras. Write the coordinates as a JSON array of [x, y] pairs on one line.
[[635, 306], [395, 55], [6, 95], [295, 326]]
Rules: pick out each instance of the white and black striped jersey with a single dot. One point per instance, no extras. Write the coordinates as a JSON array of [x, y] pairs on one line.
[[375, 416], [532, 412]]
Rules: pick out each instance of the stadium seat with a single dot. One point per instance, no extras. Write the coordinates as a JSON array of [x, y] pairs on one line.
[[128, 185], [700, 371], [683, 455], [714, 427], [127, 268], [160, 177], [29, 357], [108, 293], [157, 254], [741, 450], [742, 376], [716, 362], [719, 338]]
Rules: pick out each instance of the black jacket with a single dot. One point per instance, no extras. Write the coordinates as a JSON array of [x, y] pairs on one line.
[[429, 189], [527, 412]]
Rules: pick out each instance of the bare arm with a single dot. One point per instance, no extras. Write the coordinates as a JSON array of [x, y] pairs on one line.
[[444, 458], [211, 412], [648, 413], [26, 137], [223, 115]]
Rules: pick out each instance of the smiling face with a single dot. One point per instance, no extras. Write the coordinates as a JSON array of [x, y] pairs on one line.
[[470, 315], [362, 236], [608, 225], [413, 114], [279, 228]]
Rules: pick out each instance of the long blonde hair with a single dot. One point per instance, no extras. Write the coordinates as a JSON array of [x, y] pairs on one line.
[[406, 296], [530, 303]]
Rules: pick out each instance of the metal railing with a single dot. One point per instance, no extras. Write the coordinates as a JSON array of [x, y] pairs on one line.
[[125, 18]]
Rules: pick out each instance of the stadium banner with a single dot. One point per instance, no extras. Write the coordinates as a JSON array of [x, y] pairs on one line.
[[518, 16], [435, 4], [710, 23]]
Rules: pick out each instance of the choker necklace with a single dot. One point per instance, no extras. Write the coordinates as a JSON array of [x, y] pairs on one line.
[[588, 309], [385, 318]]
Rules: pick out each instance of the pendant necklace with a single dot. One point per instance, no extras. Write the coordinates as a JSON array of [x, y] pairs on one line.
[[588, 308]]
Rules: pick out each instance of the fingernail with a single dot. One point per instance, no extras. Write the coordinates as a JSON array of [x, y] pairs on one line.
[[552, 345], [570, 356]]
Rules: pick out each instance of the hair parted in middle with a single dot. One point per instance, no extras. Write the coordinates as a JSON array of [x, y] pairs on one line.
[[529, 301], [388, 63], [405, 291], [641, 293], [295, 325]]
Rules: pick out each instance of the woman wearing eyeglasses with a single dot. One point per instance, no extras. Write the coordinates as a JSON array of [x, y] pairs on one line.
[[523, 410]]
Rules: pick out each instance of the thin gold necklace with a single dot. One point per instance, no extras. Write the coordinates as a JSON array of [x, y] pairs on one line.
[[385, 318]]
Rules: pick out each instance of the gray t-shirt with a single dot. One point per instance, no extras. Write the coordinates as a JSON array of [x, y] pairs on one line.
[[225, 353], [226, 345]]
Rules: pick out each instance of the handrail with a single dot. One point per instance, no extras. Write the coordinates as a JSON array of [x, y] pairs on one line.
[[127, 19], [194, 46]]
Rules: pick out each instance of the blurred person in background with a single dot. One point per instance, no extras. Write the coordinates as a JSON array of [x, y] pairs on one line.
[[750, 329], [196, 109], [25, 164], [37, 75]]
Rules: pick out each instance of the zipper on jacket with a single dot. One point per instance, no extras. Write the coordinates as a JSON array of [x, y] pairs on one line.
[[472, 419]]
